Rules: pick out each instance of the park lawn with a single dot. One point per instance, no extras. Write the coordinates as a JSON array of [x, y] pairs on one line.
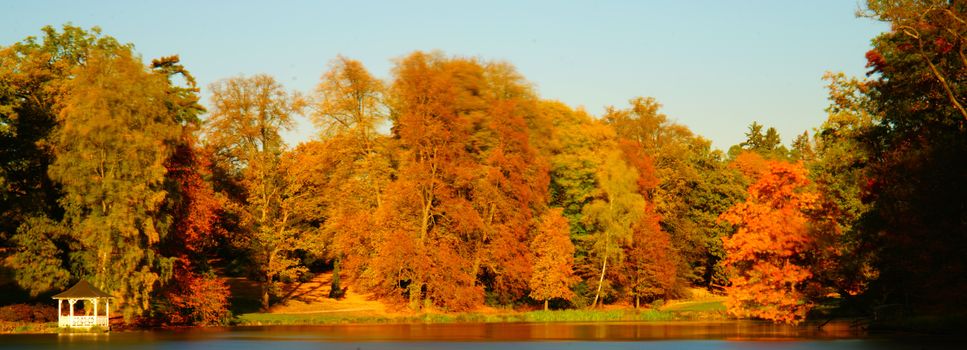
[[696, 306]]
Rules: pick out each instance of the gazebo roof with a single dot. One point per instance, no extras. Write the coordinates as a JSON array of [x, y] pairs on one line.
[[82, 290]]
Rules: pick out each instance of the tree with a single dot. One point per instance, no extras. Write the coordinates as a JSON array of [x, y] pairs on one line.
[[616, 208], [194, 296], [768, 145], [932, 35], [32, 74], [428, 216], [766, 255], [651, 261], [802, 148], [553, 273], [838, 168], [916, 146], [349, 105], [246, 118], [114, 136], [686, 183], [348, 99]]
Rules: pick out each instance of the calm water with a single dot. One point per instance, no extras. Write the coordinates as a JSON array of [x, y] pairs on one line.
[[719, 335]]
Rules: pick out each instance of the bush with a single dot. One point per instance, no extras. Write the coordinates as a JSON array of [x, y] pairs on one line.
[[28, 313], [192, 299]]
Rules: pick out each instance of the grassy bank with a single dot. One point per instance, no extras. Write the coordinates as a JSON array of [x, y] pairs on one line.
[[27, 327], [693, 311]]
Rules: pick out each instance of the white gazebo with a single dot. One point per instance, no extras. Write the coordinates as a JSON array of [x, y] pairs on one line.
[[84, 291]]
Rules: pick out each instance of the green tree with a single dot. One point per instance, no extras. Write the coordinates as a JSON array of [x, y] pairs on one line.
[[694, 186], [611, 215], [916, 146], [114, 136], [32, 73], [768, 145]]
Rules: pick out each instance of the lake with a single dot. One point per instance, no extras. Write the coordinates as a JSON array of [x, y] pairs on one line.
[[504, 336]]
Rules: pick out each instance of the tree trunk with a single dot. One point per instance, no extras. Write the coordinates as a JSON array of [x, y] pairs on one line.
[[265, 297], [597, 294], [637, 301], [545, 304]]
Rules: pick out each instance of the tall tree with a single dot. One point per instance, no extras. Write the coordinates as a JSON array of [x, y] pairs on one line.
[[611, 215], [353, 160], [247, 116], [429, 219], [114, 137], [651, 266], [768, 145], [32, 74], [916, 149], [194, 296]]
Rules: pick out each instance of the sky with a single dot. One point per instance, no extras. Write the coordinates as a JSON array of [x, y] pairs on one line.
[[715, 65]]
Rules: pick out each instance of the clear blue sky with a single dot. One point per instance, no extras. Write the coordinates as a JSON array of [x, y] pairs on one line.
[[715, 65]]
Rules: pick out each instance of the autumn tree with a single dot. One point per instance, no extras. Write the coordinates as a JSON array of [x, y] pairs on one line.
[[194, 296], [114, 136], [553, 272], [468, 185], [32, 74], [420, 250], [353, 160], [611, 215], [513, 191], [652, 261], [244, 125], [766, 255]]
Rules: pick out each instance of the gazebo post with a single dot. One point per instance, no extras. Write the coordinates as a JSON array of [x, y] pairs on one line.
[[70, 320], [95, 310]]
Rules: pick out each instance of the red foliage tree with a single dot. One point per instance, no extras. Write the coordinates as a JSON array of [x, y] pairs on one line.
[[651, 261]]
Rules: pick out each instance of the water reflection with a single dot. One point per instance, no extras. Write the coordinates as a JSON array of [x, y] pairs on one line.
[[505, 336]]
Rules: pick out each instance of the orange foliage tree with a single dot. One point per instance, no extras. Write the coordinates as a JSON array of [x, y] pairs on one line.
[[553, 273], [468, 185], [766, 257], [425, 219]]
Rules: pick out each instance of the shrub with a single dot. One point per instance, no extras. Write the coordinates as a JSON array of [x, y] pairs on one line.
[[28, 313]]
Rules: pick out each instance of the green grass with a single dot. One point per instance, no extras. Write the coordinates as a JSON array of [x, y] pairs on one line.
[[696, 306], [28, 327], [623, 315], [258, 319], [597, 315]]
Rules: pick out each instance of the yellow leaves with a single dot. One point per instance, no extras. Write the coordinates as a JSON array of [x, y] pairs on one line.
[[348, 98], [553, 272]]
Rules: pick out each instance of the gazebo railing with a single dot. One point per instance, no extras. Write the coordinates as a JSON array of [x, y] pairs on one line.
[[82, 321]]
